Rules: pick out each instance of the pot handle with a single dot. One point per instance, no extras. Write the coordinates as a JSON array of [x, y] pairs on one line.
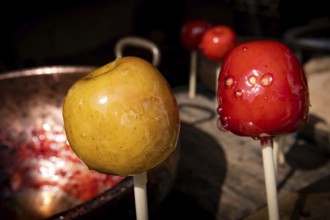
[[138, 42]]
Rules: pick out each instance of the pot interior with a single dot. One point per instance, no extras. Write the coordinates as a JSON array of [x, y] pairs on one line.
[[40, 176]]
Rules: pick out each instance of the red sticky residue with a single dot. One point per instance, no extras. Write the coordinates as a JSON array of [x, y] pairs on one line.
[[43, 158]]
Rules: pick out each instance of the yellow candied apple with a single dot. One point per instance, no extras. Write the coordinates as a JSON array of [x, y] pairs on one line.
[[122, 118]]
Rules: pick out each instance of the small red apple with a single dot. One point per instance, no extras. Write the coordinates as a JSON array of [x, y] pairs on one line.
[[191, 33], [217, 41], [262, 90]]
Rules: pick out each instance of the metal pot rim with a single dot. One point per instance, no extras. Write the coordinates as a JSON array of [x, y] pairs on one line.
[[42, 70]]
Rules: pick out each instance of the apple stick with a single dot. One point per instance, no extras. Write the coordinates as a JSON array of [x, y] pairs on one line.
[[140, 196], [193, 74], [279, 158], [270, 178], [276, 149], [217, 73]]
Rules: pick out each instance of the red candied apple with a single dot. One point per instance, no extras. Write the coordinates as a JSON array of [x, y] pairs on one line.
[[192, 32], [262, 90], [217, 41]]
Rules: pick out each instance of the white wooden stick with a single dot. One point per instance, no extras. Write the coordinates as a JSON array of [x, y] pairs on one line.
[[193, 74], [270, 178], [217, 73], [279, 157], [276, 149], [140, 195]]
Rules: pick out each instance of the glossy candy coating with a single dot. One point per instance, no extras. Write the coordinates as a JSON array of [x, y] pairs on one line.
[[192, 32], [217, 41], [262, 90], [122, 118]]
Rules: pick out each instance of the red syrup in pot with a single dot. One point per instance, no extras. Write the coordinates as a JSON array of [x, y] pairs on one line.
[[44, 159]]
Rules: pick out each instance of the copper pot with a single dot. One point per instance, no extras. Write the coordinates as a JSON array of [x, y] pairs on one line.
[[32, 175]]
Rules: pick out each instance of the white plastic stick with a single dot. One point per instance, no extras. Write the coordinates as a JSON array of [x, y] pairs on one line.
[[140, 195], [270, 178], [193, 74]]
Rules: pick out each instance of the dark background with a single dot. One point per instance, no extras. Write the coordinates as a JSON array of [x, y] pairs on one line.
[[72, 32]]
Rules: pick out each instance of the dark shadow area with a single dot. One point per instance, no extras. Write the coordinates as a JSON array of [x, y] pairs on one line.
[[84, 32], [310, 202], [310, 132], [303, 155], [201, 173], [306, 208]]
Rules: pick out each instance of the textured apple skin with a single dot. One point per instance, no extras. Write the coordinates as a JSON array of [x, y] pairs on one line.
[[122, 118], [262, 90]]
